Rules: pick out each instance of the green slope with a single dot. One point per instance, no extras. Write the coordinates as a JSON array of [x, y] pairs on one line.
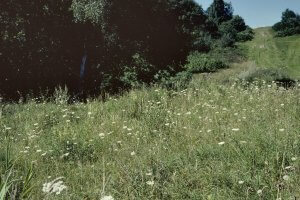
[[268, 51]]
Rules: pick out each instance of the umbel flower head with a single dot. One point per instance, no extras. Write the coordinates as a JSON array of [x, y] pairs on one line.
[[56, 186], [107, 198]]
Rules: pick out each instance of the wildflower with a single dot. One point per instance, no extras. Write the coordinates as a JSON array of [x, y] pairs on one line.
[[68, 121], [101, 134], [235, 129], [286, 177], [56, 186], [89, 113], [39, 150], [294, 158], [188, 113], [36, 124], [149, 174], [133, 153], [107, 198], [259, 192], [44, 154], [281, 130], [288, 167], [241, 182], [65, 155], [150, 183], [221, 143]]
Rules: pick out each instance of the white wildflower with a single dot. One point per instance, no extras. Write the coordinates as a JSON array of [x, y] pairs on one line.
[[150, 183], [101, 134], [133, 153], [221, 143], [241, 182], [65, 155], [107, 198], [294, 158], [286, 177], [281, 130], [235, 129], [259, 192], [56, 186]]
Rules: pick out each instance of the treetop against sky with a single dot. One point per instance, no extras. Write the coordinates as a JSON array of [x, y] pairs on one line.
[[259, 13]]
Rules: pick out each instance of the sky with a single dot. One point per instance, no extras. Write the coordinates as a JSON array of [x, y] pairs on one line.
[[259, 13]]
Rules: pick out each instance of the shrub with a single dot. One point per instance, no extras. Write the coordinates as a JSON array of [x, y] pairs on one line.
[[289, 24], [140, 71], [178, 81], [267, 75], [245, 35], [181, 80], [199, 63]]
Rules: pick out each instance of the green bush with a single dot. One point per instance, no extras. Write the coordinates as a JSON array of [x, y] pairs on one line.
[[267, 75], [140, 71], [245, 35], [180, 80], [289, 24], [199, 63]]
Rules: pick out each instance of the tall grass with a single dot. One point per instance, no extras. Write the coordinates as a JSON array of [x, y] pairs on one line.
[[270, 51], [209, 141]]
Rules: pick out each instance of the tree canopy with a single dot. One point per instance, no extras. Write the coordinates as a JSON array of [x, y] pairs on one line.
[[43, 43], [289, 24]]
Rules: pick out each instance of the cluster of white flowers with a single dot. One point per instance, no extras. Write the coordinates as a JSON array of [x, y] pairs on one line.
[[107, 198], [56, 186]]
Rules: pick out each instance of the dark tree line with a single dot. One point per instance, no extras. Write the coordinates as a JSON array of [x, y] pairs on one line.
[[289, 24], [43, 43]]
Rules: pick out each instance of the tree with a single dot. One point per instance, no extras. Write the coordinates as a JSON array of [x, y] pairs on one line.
[[43, 42], [220, 11], [289, 24]]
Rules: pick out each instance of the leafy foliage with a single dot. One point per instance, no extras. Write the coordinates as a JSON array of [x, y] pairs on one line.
[[198, 63], [125, 42], [289, 24], [220, 11]]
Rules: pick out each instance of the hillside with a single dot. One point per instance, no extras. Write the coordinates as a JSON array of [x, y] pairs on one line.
[[283, 52], [216, 139]]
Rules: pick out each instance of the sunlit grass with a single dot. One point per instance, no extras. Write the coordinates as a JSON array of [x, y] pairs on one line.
[[269, 51], [210, 141]]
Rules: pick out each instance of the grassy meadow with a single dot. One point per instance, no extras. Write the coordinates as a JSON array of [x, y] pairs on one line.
[[218, 139], [278, 52], [206, 142]]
